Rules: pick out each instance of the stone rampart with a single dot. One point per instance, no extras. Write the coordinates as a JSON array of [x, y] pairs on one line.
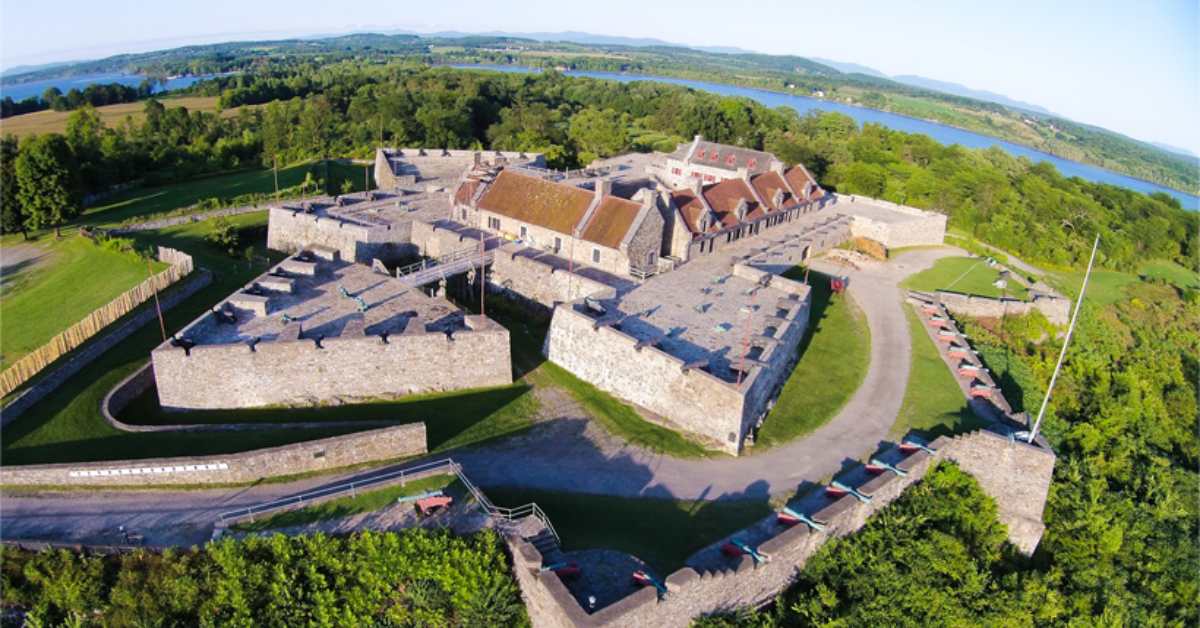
[[515, 270], [317, 455], [1015, 474], [1057, 310], [689, 397], [311, 371], [292, 230]]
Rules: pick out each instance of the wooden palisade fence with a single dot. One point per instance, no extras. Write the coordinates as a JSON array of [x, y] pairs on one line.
[[24, 369]]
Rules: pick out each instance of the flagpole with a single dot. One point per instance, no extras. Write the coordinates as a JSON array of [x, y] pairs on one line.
[[1067, 341]]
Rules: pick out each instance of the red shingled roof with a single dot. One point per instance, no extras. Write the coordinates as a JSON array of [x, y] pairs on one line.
[[767, 184], [798, 177], [536, 201], [724, 197], [611, 221]]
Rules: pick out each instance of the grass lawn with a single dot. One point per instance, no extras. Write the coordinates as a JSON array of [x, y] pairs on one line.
[[834, 356], [48, 121], [662, 532], [76, 277], [146, 203], [969, 275], [347, 506], [1104, 287], [933, 402], [1171, 273]]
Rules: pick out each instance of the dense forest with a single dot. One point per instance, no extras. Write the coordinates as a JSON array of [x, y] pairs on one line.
[[784, 73], [1122, 519], [409, 578], [348, 109]]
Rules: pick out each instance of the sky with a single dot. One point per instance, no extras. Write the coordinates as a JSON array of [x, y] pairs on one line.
[[1131, 67]]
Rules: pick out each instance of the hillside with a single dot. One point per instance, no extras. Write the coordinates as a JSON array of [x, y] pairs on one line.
[[1044, 132]]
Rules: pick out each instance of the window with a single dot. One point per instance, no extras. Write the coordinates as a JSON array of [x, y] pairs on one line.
[[596, 256], [700, 154], [493, 223], [557, 244], [464, 214], [676, 171], [730, 160], [524, 232], [752, 163], [709, 177], [716, 156]]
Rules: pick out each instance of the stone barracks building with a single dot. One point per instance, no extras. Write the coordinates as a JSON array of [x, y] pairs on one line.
[[661, 270]]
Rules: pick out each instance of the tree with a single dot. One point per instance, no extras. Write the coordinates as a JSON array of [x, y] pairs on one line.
[[224, 236], [598, 133], [47, 185], [12, 214]]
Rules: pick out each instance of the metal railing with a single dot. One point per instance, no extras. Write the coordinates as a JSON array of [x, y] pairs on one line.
[[506, 518], [437, 261]]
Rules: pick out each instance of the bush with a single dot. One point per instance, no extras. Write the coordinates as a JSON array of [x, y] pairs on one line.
[[413, 577]]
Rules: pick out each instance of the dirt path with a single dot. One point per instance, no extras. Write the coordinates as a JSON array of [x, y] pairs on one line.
[[566, 452], [16, 259]]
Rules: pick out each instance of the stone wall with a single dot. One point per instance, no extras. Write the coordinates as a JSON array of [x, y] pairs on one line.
[[1015, 474], [1056, 309], [290, 231], [317, 455], [515, 270], [925, 228], [308, 372], [692, 399]]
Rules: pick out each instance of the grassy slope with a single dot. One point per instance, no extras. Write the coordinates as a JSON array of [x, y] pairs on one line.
[[933, 402], [662, 532], [79, 277], [49, 121], [347, 506], [146, 203], [963, 274], [833, 362]]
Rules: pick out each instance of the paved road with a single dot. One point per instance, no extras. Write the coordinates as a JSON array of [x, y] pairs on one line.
[[567, 453]]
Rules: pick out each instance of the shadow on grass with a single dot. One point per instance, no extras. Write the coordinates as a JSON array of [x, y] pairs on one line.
[[447, 416]]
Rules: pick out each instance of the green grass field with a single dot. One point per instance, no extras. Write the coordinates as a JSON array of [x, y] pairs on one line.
[[834, 356], [662, 532], [347, 506], [969, 275], [146, 203], [72, 277], [933, 402], [1171, 273]]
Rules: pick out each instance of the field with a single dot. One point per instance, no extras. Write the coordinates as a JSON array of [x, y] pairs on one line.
[[146, 203], [49, 121], [833, 362], [1171, 273], [347, 506], [933, 402], [63, 283], [663, 532], [968, 275]]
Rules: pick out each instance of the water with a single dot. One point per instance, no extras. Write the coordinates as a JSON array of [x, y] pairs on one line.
[[21, 91], [940, 132]]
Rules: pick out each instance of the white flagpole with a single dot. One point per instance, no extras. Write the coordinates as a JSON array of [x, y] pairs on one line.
[[1067, 341]]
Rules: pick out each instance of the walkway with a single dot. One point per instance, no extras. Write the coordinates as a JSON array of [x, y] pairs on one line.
[[566, 453]]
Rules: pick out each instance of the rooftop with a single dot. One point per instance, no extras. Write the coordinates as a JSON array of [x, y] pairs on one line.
[[320, 307]]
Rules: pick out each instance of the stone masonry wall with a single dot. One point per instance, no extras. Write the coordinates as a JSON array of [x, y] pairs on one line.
[[290, 231], [1056, 309], [692, 399], [250, 466], [1015, 474], [930, 229], [303, 372], [540, 282]]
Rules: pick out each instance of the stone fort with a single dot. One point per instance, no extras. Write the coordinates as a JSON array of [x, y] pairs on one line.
[[663, 274]]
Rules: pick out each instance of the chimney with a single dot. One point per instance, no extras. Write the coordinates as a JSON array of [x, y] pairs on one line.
[[777, 166], [743, 173], [696, 185], [475, 158], [603, 188]]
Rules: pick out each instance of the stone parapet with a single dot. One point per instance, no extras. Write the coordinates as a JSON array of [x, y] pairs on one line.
[[317, 455]]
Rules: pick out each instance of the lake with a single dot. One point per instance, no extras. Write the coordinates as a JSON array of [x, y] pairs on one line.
[[940, 132], [21, 91]]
